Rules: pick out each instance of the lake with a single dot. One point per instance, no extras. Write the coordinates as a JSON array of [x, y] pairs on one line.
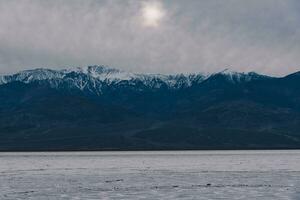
[[151, 175]]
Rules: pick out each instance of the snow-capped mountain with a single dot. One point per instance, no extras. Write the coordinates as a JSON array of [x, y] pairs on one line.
[[94, 78], [97, 107], [238, 77]]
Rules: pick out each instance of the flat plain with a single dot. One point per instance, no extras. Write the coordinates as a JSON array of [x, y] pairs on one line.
[[150, 175]]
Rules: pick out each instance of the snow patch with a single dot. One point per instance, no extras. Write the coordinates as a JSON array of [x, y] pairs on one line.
[[93, 77]]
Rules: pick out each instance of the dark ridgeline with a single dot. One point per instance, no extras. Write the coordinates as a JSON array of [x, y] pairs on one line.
[[101, 109]]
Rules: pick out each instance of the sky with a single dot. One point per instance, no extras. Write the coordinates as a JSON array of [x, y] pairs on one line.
[[151, 36]]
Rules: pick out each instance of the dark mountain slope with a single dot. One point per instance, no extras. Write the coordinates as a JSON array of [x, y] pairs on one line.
[[222, 111]]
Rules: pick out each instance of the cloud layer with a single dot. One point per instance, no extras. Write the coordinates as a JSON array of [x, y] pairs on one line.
[[193, 36]]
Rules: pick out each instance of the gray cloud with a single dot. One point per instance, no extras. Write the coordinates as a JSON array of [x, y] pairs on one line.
[[194, 36]]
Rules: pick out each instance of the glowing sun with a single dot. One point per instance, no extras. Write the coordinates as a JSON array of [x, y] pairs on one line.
[[152, 13]]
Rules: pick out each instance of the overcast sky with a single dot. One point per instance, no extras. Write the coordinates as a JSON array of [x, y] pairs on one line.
[[190, 36]]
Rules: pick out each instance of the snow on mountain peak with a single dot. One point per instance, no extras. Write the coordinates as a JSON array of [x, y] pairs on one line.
[[32, 75], [93, 77], [103, 73], [236, 77], [108, 74]]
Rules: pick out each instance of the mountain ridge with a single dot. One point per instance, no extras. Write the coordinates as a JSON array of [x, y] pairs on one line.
[[98, 108], [109, 76]]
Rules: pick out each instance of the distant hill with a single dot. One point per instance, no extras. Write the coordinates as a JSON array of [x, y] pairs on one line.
[[100, 108]]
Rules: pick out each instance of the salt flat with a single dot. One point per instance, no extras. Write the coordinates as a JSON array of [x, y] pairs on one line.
[[151, 175]]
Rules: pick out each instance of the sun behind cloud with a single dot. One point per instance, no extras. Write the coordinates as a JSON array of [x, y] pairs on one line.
[[152, 13]]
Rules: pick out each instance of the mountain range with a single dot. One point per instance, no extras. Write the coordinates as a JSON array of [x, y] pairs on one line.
[[101, 108]]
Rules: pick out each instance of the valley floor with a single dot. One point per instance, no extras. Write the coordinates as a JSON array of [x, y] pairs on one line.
[[151, 175]]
